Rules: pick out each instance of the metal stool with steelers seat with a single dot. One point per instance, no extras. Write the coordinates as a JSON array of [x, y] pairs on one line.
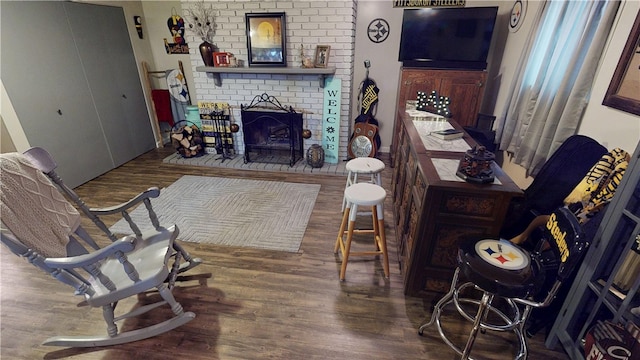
[[501, 270], [363, 166], [373, 196]]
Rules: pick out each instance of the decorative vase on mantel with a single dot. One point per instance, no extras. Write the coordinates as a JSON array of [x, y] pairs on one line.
[[206, 51]]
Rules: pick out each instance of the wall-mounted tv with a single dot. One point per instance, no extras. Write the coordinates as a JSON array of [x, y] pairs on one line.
[[453, 38]]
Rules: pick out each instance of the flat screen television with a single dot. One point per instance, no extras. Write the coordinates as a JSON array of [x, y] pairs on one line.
[[450, 38]]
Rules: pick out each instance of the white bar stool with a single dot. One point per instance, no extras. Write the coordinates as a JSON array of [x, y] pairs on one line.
[[364, 166], [362, 194]]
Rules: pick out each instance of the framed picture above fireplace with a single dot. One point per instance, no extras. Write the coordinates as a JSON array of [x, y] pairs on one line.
[[266, 39]]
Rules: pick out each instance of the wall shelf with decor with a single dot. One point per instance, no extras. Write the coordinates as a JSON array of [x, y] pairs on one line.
[[321, 72]]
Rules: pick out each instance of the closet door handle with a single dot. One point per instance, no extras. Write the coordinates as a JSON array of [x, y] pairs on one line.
[[59, 112], [124, 96]]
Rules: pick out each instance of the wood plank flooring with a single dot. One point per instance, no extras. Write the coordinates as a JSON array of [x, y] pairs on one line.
[[256, 305]]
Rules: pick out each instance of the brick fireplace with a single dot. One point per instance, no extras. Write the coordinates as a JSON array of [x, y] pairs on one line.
[[307, 25]]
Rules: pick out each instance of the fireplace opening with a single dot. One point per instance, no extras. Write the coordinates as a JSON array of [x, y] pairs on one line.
[[272, 134]]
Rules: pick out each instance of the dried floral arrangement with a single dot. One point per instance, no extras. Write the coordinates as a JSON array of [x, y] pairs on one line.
[[202, 20]]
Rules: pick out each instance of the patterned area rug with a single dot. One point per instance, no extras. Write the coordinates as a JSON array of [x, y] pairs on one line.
[[235, 212]]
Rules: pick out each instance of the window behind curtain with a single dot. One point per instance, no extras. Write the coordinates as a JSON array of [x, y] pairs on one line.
[[554, 79]]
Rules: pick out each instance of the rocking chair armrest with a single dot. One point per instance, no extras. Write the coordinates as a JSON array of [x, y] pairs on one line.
[[125, 245], [153, 192]]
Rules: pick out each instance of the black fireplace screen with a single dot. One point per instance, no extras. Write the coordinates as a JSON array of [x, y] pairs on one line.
[[271, 134]]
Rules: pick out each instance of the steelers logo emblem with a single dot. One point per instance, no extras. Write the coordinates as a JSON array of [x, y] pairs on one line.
[[502, 254], [517, 15], [378, 30]]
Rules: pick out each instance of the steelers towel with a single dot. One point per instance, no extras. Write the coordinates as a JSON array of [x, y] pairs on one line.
[[599, 185]]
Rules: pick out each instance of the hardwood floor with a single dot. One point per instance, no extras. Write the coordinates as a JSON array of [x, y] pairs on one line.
[[257, 304]]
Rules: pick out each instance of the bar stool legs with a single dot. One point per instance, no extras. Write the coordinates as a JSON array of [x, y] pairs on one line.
[[362, 194], [514, 323]]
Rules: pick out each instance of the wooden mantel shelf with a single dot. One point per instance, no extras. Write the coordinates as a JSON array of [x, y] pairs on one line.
[[321, 72]]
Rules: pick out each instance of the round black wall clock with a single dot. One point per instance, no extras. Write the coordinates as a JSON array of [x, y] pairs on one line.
[[378, 30]]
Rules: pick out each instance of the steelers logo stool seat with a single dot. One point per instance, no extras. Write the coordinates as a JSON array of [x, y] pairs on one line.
[[363, 166], [362, 195], [500, 267], [510, 280]]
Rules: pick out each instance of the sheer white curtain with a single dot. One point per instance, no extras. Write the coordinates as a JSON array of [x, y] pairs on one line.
[[554, 79]]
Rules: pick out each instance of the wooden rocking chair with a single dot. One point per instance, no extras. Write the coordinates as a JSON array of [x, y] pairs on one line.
[[39, 224]]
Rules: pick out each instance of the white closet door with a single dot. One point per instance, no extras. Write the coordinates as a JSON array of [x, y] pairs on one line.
[[45, 81], [101, 36]]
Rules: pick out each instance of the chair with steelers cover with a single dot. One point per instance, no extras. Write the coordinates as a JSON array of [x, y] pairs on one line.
[[42, 226], [497, 284]]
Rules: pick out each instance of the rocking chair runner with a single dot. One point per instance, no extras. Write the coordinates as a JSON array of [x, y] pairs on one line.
[[39, 224]]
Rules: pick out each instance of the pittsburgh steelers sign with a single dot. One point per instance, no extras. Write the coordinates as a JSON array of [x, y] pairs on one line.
[[378, 30], [517, 15]]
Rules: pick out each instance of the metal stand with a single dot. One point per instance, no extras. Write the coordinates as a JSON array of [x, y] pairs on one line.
[[224, 140]]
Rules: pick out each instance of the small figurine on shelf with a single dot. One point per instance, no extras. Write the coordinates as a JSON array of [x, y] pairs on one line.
[[233, 62], [305, 61]]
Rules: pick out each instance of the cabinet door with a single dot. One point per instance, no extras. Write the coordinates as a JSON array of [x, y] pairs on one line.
[[44, 79], [414, 80], [101, 35], [465, 90]]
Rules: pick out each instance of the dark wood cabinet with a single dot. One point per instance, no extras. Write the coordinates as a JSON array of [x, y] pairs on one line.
[[432, 214], [464, 88]]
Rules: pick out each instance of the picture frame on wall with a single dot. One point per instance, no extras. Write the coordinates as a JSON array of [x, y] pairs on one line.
[[266, 40], [624, 89], [322, 56]]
